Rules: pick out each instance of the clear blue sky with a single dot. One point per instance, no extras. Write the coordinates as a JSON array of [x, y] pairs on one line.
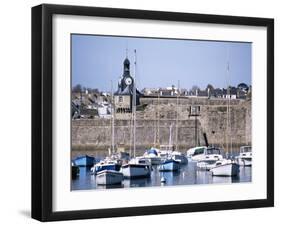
[[96, 60]]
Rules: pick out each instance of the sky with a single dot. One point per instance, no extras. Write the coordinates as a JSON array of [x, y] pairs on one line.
[[98, 60]]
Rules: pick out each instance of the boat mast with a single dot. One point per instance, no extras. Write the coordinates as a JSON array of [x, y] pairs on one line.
[[158, 120], [170, 136], [134, 101], [177, 115], [229, 138], [112, 120]]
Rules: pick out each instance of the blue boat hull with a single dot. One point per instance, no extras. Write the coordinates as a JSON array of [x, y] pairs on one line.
[[84, 161], [169, 165]]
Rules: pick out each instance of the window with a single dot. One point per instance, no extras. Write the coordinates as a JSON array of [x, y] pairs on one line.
[[194, 110], [120, 99], [198, 151]]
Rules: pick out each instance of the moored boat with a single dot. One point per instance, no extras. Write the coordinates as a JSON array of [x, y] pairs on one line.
[[84, 160], [195, 151], [165, 151], [137, 168], [74, 170], [225, 168], [107, 177], [178, 156], [169, 165], [245, 156], [208, 159], [107, 164], [207, 154], [152, 155]]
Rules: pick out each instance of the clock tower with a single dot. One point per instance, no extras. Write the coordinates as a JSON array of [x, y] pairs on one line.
[[126, 79], [123, 97]]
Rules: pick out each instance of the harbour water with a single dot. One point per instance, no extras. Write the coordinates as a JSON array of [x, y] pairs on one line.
[[187, 175]]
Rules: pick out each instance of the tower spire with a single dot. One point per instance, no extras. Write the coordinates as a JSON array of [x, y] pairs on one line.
[[127, 49]]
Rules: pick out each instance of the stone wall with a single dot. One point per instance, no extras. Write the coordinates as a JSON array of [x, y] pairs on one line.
[[162, 113]]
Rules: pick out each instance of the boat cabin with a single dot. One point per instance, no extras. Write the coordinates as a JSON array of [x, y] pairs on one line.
[[245, 149], [213, 151]]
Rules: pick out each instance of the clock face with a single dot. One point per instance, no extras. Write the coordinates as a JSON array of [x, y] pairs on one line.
[[128, 81]]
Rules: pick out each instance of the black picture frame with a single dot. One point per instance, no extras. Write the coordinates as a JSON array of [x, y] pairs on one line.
[[42, 111]]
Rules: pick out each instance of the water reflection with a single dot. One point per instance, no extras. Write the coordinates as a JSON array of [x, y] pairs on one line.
[[187, 175]]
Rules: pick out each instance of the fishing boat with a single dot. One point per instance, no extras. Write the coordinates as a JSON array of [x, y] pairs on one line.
[[225, 167], [180, 157], [245, 156], [108, 177], [84, 160], [74, 170], [169, 165], [152, 155]]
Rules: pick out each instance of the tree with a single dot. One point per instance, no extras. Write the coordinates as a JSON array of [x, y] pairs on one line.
[[77, 89], [194, 88], [210, 87]]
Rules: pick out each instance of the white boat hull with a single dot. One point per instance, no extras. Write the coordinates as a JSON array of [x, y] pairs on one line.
[[206, 165], [107, 177], [136, 170], [228, 169]]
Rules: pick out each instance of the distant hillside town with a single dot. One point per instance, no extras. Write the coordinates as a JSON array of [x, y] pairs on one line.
[[90, 103]]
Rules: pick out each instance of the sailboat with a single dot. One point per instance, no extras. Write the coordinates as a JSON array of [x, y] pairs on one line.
[[107, 171], [168, 163], [165, 151], [226, 167], [177, 155], [152, 156], [136, 167]]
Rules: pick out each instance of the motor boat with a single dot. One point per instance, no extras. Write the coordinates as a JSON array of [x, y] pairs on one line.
[[245, 156], [225, 167], [208, 158], [108, 177], [195, 151]]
